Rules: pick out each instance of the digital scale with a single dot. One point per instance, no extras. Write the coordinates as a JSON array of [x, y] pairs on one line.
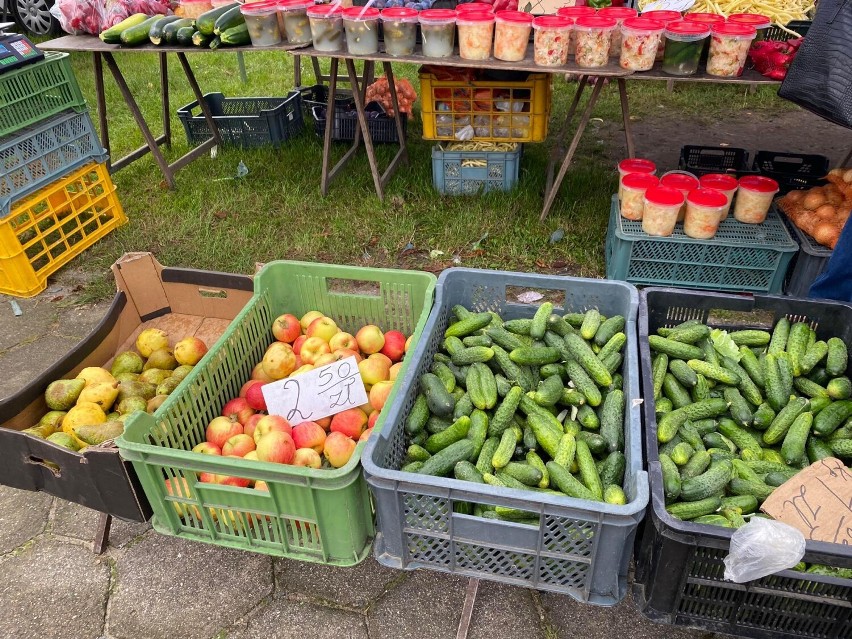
[[16, 50]]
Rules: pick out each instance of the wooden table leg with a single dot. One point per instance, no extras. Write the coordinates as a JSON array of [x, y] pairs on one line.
[[558, 145], [467, 609], [625, 116], [100, 96], [359, 95], [329, 122], [164, 90], [102, 533], [575, 142], [402, 154], [297, 71]]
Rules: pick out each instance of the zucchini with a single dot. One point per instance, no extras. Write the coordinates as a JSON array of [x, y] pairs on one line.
[[155, 35], [835, 362], [201, 40], [113, 34], [443, 462], [169, 34], [674, 349], [206, 21], [138, 34], [227, 20]]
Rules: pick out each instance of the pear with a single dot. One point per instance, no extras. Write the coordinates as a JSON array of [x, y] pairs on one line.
[[62, 394], [83, 413], [94, 434], [182, 371], [154, 376], [36, 431], [150, 340], [168, 386], [94, 374], [52, 420], [127, 377], [101, 393], [65, 440], [127, 362], [131, 405], [136, 389], [155, 403], [162, 358]]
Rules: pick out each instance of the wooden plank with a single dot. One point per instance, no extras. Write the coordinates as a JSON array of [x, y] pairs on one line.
[[84, 43]]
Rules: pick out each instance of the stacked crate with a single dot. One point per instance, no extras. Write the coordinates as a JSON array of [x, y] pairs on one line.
[[56, 195]]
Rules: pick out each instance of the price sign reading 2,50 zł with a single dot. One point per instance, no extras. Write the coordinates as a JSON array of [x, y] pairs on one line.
[[324, 391]]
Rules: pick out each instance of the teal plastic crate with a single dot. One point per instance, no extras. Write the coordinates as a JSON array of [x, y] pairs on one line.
[[741, 257], [473, 172]]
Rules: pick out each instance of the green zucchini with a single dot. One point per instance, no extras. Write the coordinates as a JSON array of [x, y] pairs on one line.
[[201, 40], [113, 34], [138, 34], [155, 35], [169, 35], [228, 20]]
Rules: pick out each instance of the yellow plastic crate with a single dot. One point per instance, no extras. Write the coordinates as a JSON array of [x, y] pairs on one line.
[[450, 105], [44, 231]]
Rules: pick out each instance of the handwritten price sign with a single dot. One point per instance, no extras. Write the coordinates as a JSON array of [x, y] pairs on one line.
[[324, 391]]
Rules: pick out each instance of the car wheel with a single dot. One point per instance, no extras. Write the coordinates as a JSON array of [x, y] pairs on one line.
[[34, 16]]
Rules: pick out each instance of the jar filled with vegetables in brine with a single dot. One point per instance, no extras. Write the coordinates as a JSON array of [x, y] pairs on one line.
[[683, 182], [400, 28], [640, 38], [703, 213], [633, 188], [593, 38], [665, 16], [754, 197], [573, 13], [476, 31], [438, 29], [634, 165], [685, 41], [550, 44], [620, 14], [511, 35], [729, 45], [725, 184], [362, 30], [293, 14], [326, 27], [660, 213], [262, 23]]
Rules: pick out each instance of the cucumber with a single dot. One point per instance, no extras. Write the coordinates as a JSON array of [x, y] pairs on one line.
[[835, 362], [558, 325], [785, 418], [775, 479], [704, 426], [468, 355], [785, 370], [443, 462], [614, 345], [612, 363], [169, 35], [746, 385], [483, 461], [588, 418], [658, 373], [694, 509], [113, 34], [567, 483], [691, 436], [442, 372], [715, 372], [418, 416], [665, 331], [511, 370], [609, 329], [842, 447], [508, 481], [712, 520], [572, 397], [518, 326], [412, 467], [595, 442], [583, 353], [546, 435], [745, 503], [734, 517], [739, 408], [469, 325], [830, 418], [705, 409], [482, 386], [505, 412], [819, 375], [750, 337], [590, 325], [504, 452], [535, 355], [675, 392], [228, 20], [416, 453], [763, 416], [741, 438], [756, 489], [201, 40], [708, 484], [439, 401], [612, 421], [549, 370], [453, 345], [689, 333], [466, 471], [797, 344], [549, 391], [681, 454], [674, 349], [588, 471], [457, 431], [537, 462], [774, 386], [437, 424], [697, 464], [683, 373], [839, 388], [670, 423], [808, 388], [524, 473], [539, 320], [817, 449], [614, 495], [566, 451], [464, 406], [813, 356], [664, 405], [710, 354], [138, 34], [504, 338], [752, 366], [612, 469], [155, 34], [478, 432], [780, 334]]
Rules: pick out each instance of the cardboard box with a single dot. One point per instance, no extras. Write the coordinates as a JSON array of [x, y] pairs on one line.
[[181, 302]]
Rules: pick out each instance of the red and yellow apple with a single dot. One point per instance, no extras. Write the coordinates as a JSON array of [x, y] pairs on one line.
[[312, 349], [408, 342], [343, 353], [297, 345], [269, 424], [338, 449], [238, 409], [189, 351], [302, 369], [323, 327], [238, 445], [394, 346], [257, 373], [379, 394], [372, 419], [279, 360], [326, 358], [286, 328], [251, 455], [307, 457], [325, 422], [308, 318], [254, 396], [366, 435], [343, 340], [309, 435], [206, 448], [370, 339], [394, 371], [373, 371], [350, 422], [276, 447], [221, 429], [251, 423]]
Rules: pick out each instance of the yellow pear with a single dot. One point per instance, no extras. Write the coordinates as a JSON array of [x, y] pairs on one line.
[[101, 393], [94, 374], [150, 340], [82, 413]]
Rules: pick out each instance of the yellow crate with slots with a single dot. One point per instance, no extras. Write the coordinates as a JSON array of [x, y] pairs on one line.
[[44, 231], [499, 111]]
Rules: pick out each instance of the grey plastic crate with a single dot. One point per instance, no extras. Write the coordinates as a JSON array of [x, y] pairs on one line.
[[580, 548], [809, 263]]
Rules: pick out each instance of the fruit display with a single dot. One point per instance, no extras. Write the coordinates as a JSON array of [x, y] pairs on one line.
[[739, 413], [534, 404], [822, 211], [90, 409]]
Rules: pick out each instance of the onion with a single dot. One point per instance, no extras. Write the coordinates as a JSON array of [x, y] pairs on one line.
[[825, 233], [807, 221], [835, 199], [794, 197], [814, 199], [847, 176], [826, 212]]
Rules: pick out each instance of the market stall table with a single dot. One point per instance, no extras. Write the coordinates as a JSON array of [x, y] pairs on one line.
[[104, 52]]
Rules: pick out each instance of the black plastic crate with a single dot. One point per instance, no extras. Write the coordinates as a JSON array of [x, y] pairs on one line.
[[808, 263], [799, 26], [792, 171], [246, 122], [702, 160], [679, 570], [382, 127], [317, 95]]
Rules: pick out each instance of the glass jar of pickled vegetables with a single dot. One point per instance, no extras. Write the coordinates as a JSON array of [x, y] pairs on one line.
[[511, 35], [683, 182], [574, 13], [634, 165], [550, 45], [729, 45], [659, 215], [476, 31], [703, 213], [665, 16], [640, 38], [262, 23], [326, 27], [760, 22], [293, 15], [620, 14], [593, 40], [708, 19], [754, 197], [362, 30], [438, 28], [633, 187], [725, 184], [685, 41], [400, 28]]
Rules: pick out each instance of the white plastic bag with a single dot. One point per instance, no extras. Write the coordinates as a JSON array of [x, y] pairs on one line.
[[763, 547]]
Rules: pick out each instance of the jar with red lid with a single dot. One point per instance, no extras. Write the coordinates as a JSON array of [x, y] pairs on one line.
[[633, 187], [760, 22], [659, 215], [400, 28], [685, 42], [438, 29], [664, 16], [262, 23], [326, 27], [511, 35], [574, 13], [634, 165], [729, 45], [293, 18], [620, 14], [724, 183], [703, 213], [362, 30], [640, 38], [550, 45], [476, 32], [593, 36], [476, 7], [754, 197]]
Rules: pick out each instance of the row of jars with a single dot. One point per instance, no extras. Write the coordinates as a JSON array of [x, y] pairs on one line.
[[700, 203]]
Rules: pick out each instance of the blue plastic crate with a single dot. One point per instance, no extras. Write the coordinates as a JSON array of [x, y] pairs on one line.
[[741, 257], [472, 172]]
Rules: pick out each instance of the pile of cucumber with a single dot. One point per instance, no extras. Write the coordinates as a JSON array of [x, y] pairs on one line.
[[223, 26], [740, 413], [534, 404]]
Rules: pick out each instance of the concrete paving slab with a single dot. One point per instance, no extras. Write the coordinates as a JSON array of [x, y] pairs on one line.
[[53, 590], [427, 605], [78, 522], [23, 364], [354, 587], [285, 619], [168, 587], [23, 515], [507, 608], [35, 321]]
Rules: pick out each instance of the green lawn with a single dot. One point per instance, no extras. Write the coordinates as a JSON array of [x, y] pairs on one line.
[[277, 212]]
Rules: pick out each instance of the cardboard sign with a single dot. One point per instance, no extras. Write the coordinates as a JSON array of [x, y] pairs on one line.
[[324, 391], [817, 501]]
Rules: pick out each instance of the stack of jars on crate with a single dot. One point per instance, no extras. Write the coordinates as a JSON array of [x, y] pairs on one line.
[[56, 196]]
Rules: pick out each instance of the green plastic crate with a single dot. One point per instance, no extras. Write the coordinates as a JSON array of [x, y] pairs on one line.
[[323, 516], [36, 91]]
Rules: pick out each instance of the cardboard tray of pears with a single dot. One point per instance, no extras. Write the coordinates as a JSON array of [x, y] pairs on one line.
[[56, 434]]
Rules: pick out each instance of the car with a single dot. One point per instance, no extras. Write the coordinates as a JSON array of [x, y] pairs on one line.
[[33, 16]]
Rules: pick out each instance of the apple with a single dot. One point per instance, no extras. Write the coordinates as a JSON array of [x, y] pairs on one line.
[[343, 340], [372, 419], [326, 358], [366, 435], [244, 388], [312, 348], [251, 455], [368, 407], [257, 373], [238, 409], [350, 422], [309, 435], [221, 429], [277, 447], [322, 327], [286, 328], [338, 449], [373, 371], [370, 339], [394, 370], [382, 358], [307, 457], [408, 342], [179, 487], [209, 478], [308, 318], [394, 346], [251, 423], [302, 369], [325, 422], [343, 353], [228, 480], [297, 345], [254, 396], [269, 424], [261, 485], [238, 446], [379, 394], [189, 351], [206, 448], [279, 360]]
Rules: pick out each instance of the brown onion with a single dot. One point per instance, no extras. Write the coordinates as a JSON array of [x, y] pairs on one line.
[[826, 212], [825, 233], [814, 199]]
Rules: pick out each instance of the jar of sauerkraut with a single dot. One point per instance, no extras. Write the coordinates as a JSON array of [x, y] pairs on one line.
[[550, 46], [640, 38], [685, 42], [659, 215], [400, 28], [754, 197], [760, 22], [511, 35], [725, 184], [593, 38], [633, 187], [729, 45], [620, 14], [634, 165], [664, 16], [683, 182], [476, 31], [703, 213], [326, 27], [574, 13]]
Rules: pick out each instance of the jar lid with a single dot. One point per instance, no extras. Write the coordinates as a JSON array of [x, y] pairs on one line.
[[662, 15], [733, 29], [687, 27], [636, 165], [360, 13], [709, 18], [640, 181], [474, 6], [259, 8], [718, 181], [679, 181], [759, 183], [664, 196], [707, 197], [575, 12], [596, 22], [516, 17], [643, 24], [619, 13], [468, 17], [553, 22], [404, 14], [324, 10], [289, 5], [754, 19], [437, 15]]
